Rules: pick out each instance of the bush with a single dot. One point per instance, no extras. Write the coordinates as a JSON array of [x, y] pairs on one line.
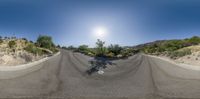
[[90, 54], [115, 49], [11, 44], [31, 48], [127, 52], [100, 49], [160, 47], [110, 54], [194, 40], [45, 42], [54, 50], [1, 41], [180, 53], [83, 48], [71, 47]]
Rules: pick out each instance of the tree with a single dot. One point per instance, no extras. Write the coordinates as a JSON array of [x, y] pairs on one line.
[[82, 48], [45, 42], [116, 49], [71, 47], [58, 46], [194, 40], [100, 49]]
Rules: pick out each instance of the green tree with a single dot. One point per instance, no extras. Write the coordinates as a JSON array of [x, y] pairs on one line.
[[116, 49], [71, 47], [194, 40], [82, 48], [45, 42], [100, 48], [58, 46]]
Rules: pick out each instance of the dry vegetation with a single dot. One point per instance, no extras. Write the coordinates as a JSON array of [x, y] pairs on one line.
[[193, 58], [15, 51]]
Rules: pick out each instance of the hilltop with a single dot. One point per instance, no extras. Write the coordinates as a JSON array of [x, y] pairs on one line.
[[15, 51]]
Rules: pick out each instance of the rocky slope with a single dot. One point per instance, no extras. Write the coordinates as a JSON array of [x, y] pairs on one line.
[[15, 54]]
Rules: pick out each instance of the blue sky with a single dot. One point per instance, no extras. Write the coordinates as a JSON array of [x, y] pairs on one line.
[[128, 22]]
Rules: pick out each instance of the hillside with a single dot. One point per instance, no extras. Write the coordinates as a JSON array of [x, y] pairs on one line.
[[14, 51], [179, 50], [192, 58]]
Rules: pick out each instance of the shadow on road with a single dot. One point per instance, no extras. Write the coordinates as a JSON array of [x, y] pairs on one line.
[[97, 64]]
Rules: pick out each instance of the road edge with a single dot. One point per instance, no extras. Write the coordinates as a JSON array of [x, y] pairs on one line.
[[28, 65], [8, 72], [186, 66]]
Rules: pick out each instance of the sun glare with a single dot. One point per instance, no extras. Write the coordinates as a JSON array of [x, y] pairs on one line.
[[100, 32]]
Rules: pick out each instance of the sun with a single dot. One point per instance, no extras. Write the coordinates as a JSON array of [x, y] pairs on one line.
[[100, 32]]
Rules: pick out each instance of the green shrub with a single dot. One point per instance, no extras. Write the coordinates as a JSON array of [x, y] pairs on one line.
[[90, 54], [126, 52], [115, 49], [11, 44], [83, 49], [110, 54], [31, 48], [1, 41], [194, 40], [180, 53], [54, 50], [100, 49], [160, 47], [45, 42]]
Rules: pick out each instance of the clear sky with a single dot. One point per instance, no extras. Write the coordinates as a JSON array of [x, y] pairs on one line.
[[127, 22]]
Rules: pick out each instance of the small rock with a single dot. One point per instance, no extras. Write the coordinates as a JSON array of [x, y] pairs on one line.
[[100, 72]]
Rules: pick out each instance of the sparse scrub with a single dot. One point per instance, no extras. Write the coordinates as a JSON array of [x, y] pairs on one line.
[[169, 46], [1, 41], [112, 51], [110, 54], [12, 44], [31, 48], [115, 49], [180, 53], [127, 52]]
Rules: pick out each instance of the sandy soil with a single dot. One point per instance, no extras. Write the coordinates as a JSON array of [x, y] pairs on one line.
[[188, 59], [17, 59]]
